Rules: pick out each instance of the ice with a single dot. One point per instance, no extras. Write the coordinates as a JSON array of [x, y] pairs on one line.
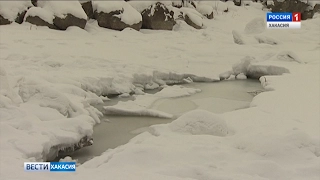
[[142, 103]]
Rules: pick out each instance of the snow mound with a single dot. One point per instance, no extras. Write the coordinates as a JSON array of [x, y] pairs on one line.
[[242, 66], [129, 15], [199, 122], [10, 9], [237, 38], [255, 26], [47, 16], [266, 40], [288, 56], [204, 9], [62, 8]]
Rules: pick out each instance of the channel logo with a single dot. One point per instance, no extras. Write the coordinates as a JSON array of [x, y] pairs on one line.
[[284, 20], [50, 166]]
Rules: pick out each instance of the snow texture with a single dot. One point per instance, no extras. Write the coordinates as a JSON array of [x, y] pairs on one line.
[[204, 9], [142, 5], [255, 26], [199, 122]]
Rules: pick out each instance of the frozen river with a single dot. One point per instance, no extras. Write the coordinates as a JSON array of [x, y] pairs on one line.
[[218, 97]]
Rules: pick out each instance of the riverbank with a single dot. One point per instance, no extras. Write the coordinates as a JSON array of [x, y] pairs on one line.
[[50, 81]]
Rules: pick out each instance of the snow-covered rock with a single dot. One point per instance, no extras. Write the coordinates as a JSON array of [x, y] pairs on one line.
[[237, 2], [200, 122], [4, 21], [193, 20], [288, 56], [192, 17], [117, 15], [40, 17], [293, 6], [11, 11], [255, 26], [241, 76], [255, 71], [266, 40], [237, 38], [158, 17], [205, 10], [88, 8], [242, 66], [251, 68], [67, 13]]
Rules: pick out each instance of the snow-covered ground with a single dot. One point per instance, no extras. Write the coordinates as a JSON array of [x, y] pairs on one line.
[[50, 81]]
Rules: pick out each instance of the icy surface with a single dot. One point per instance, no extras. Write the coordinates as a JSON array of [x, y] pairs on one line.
[[141, 105], [67, 72]]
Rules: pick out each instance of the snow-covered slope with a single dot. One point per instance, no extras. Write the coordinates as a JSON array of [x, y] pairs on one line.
[[51, 79]]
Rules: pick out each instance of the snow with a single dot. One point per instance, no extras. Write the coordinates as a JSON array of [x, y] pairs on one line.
[[62, 8], [49, 79], [204, 9], [142, 5], [42, 13], [129, 15], [10, 9], [255, 26], [200, 122]]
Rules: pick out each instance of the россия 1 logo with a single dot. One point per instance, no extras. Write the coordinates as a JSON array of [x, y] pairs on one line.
[[284, 20]]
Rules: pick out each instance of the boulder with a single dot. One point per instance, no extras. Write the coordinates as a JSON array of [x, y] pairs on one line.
[[158, 17], [316, 8], [69, 20], [293, 6], [237, 2], [11, 11], [192, 17], [66, 13], [205, 10], [4, 21], [256, 71], [117, 15], [193, 20], [20, 17], [88, 9], [40, 17]]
